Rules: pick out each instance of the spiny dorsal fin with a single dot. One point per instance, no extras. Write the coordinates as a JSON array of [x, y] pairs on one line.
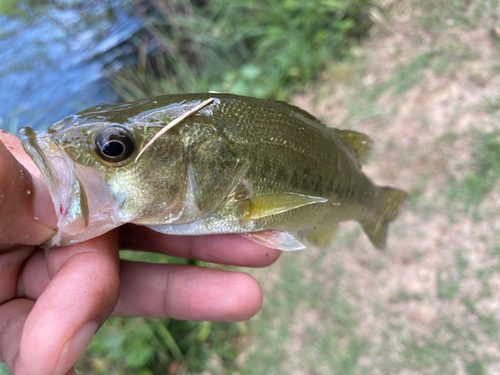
[[360, 143], [272, 204]]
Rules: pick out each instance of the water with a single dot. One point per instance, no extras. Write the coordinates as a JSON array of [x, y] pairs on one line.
[[52, 64]]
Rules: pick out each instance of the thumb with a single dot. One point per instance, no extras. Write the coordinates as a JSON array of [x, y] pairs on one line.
[[27, 214]]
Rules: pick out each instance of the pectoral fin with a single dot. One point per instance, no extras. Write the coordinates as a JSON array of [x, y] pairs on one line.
[[323, 237], [272, 204], [215, 168], [275, 239]]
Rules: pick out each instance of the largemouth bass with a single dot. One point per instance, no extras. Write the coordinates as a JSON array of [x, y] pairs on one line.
[[262, 168]]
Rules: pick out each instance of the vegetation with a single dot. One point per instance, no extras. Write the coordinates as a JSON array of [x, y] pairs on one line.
[[476, 184], [262, 48]]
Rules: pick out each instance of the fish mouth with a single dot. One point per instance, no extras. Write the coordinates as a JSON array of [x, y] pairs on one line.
[[68, 194]]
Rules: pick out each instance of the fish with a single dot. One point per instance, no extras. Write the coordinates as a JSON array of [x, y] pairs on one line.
[[264, 169]]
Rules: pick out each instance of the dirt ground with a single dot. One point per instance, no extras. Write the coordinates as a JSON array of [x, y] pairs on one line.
[[426, 88]]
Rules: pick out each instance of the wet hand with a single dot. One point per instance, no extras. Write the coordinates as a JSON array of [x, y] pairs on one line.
[[52, 301]]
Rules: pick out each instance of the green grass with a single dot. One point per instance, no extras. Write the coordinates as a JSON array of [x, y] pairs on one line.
[[443, 60], [4, 369], [474, 367], [11, 8], [448, 283], [325, 335], [491, 104], [457, 338], [150, 346], [469, 191], [440, 15]]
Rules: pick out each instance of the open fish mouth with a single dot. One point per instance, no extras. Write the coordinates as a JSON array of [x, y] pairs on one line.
[[68, 194]]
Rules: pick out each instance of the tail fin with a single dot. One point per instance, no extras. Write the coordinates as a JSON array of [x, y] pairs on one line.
[[376, 228]]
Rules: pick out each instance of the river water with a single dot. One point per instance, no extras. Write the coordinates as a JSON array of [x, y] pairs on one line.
[[53, 59]]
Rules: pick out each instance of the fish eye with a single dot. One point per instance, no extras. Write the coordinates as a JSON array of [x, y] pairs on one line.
[[114, 144]]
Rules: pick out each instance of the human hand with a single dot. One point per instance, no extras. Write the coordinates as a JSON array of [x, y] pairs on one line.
[[52, 301]]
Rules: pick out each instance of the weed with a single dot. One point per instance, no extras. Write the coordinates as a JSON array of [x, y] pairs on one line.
[[128, 345], [261, 48]]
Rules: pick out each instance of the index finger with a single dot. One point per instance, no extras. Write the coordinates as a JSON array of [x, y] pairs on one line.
[[228, 249], [81, 294]]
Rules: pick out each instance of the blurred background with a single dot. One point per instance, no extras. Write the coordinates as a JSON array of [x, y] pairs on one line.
[[422, 78]]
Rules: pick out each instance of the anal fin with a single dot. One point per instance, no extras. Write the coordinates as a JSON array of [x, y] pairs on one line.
[[275, 239], [323, 237]]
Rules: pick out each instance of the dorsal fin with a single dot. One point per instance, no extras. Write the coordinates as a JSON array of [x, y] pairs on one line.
[[360, 143]]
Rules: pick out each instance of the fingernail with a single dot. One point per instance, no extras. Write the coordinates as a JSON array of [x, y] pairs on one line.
[[43, 207], [75, 347]]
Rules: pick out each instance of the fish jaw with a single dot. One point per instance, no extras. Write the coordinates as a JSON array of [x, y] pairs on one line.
[[80, 217]]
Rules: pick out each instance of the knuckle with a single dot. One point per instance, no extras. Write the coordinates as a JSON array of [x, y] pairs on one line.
[[15, 195], [6, 169]]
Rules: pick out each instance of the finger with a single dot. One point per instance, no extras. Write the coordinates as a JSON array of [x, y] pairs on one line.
[[13, 314], [34, 277], [11, 266], [13, 311], [186, 292], [81, 295], [222, 248], [168, 290], [27, 214]]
